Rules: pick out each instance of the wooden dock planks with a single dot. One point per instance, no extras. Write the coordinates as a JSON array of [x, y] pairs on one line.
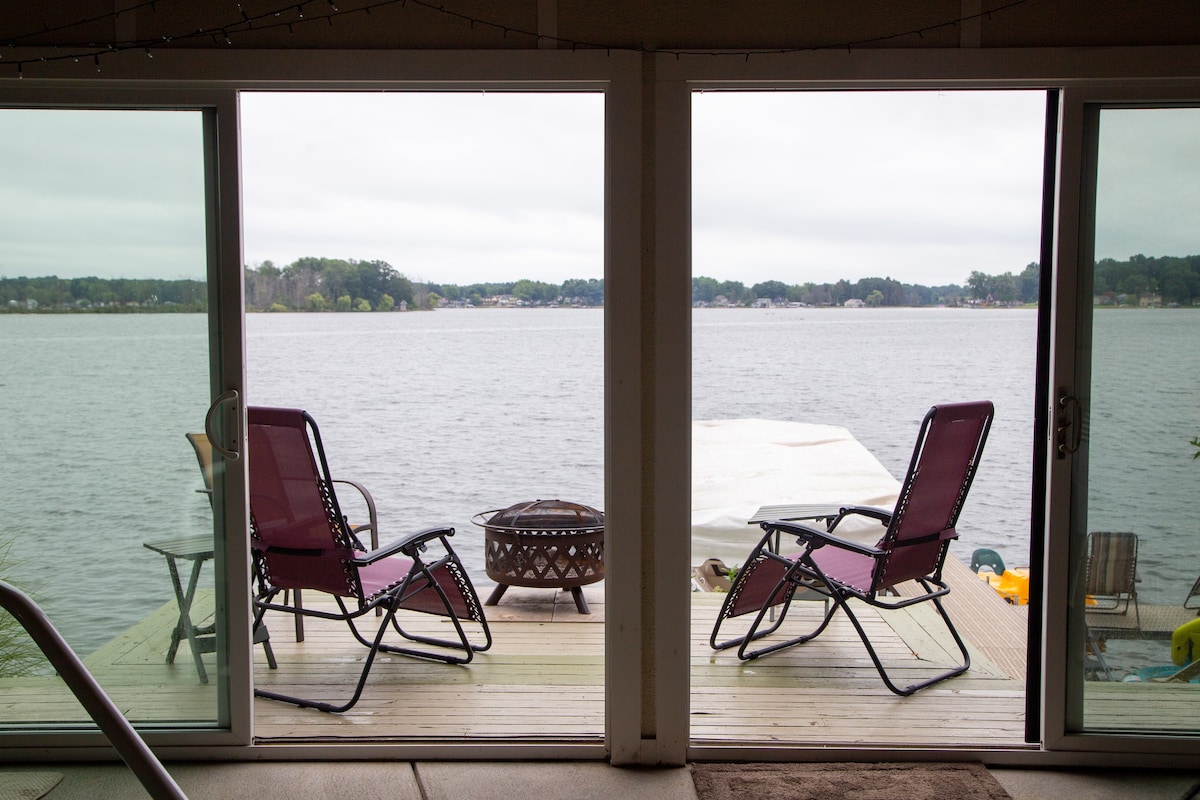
[[543, 680]]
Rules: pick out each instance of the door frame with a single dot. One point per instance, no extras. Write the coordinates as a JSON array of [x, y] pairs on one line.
[[1074, 248], [226, 347], [647, 271]]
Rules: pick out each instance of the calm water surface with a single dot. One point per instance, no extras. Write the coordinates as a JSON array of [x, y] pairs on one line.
[[447, 414], [876, 372]]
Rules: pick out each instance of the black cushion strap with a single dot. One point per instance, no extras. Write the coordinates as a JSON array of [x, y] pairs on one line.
[[948, 533]]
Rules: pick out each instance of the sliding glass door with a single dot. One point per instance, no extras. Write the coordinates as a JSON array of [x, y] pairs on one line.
[[108, 309], [1130, 426], [838, 293]]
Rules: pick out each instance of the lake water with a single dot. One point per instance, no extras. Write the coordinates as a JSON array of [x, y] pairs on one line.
[[447, 414]]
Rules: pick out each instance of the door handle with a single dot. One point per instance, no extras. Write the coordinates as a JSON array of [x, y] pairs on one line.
[[231, 398], [1068, 425]]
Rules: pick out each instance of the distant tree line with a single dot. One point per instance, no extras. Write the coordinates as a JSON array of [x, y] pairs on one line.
[[1174, 280], [1170, 279], [1006, 288], [1002, 289], [574, 291], [872, 291], [307, 284], [114, 295], [326, 284]]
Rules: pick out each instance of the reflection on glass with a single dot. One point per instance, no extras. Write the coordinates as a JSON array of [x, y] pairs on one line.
[[1136, 559], [102, 276]]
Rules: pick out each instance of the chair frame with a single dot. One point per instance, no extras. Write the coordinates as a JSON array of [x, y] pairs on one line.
[[438, 574], [1193, 598], [204, 457], [801, 570], [197, 637]]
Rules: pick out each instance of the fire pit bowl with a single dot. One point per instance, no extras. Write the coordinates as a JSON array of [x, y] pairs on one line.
[[543, 544]]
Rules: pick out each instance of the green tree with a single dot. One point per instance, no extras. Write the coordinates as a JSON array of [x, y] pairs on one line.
[[770, 290], [1135, 285], [534, 292], [734, 291], [840, 292], [401, 289], [589, 291], [361, 304], [1004, 288], [1177, 282], [979, 284], [1028, 283], [386, 303], [799, 293], [316, 302]]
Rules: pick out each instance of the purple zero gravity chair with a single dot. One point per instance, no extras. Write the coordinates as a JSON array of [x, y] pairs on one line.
[[913, 548], [300, 540]]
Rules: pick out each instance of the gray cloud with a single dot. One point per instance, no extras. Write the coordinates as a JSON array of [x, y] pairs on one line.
[[458, 188]]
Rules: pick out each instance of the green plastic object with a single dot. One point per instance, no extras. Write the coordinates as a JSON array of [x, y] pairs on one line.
[[987, 558]]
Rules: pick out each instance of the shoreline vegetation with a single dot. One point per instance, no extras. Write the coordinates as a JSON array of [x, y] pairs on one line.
[[336, 285]]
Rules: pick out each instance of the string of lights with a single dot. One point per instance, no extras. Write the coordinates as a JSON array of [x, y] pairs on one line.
[[308, 12], [48, 29]]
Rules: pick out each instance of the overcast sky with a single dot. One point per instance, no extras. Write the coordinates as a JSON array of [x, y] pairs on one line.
[[470, 187], [106, 193], [451, 188], [923, 187]]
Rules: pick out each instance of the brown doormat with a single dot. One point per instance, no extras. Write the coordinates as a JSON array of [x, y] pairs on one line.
[[846, 780]]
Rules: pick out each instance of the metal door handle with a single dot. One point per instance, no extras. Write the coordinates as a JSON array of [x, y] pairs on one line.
[[1068, 427], [230, 397]]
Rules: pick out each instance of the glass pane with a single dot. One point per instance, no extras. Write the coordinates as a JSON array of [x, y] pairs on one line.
[[858, 258], [431, 283], [1135, 546], [106, 367]]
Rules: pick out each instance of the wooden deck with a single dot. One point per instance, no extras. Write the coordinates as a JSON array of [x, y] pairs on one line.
[[543, 680], [1139, 622]]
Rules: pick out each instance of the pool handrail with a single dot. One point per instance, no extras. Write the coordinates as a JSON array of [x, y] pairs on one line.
[[112, 723]]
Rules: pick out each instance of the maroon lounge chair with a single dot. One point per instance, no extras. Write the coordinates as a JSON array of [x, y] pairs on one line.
[[300, 540], [913, 548]]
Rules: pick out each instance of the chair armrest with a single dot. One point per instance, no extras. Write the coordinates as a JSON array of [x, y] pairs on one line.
[[881, 514], [814, 537], [372, 523], [409, 545]]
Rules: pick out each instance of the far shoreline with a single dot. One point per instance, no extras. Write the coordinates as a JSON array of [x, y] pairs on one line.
[[136, 310]]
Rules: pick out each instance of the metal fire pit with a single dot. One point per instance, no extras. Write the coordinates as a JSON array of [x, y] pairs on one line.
[[543, 543]]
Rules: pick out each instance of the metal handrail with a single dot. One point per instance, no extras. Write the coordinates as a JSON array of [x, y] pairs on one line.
[[128, 744]]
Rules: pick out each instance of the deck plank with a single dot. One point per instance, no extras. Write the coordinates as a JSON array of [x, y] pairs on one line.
[[543, 680]]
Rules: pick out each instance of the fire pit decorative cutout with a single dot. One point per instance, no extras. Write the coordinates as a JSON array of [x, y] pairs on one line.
[[543, 544]]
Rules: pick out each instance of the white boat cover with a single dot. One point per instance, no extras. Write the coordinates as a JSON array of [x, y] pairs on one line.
[[739, 465]]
